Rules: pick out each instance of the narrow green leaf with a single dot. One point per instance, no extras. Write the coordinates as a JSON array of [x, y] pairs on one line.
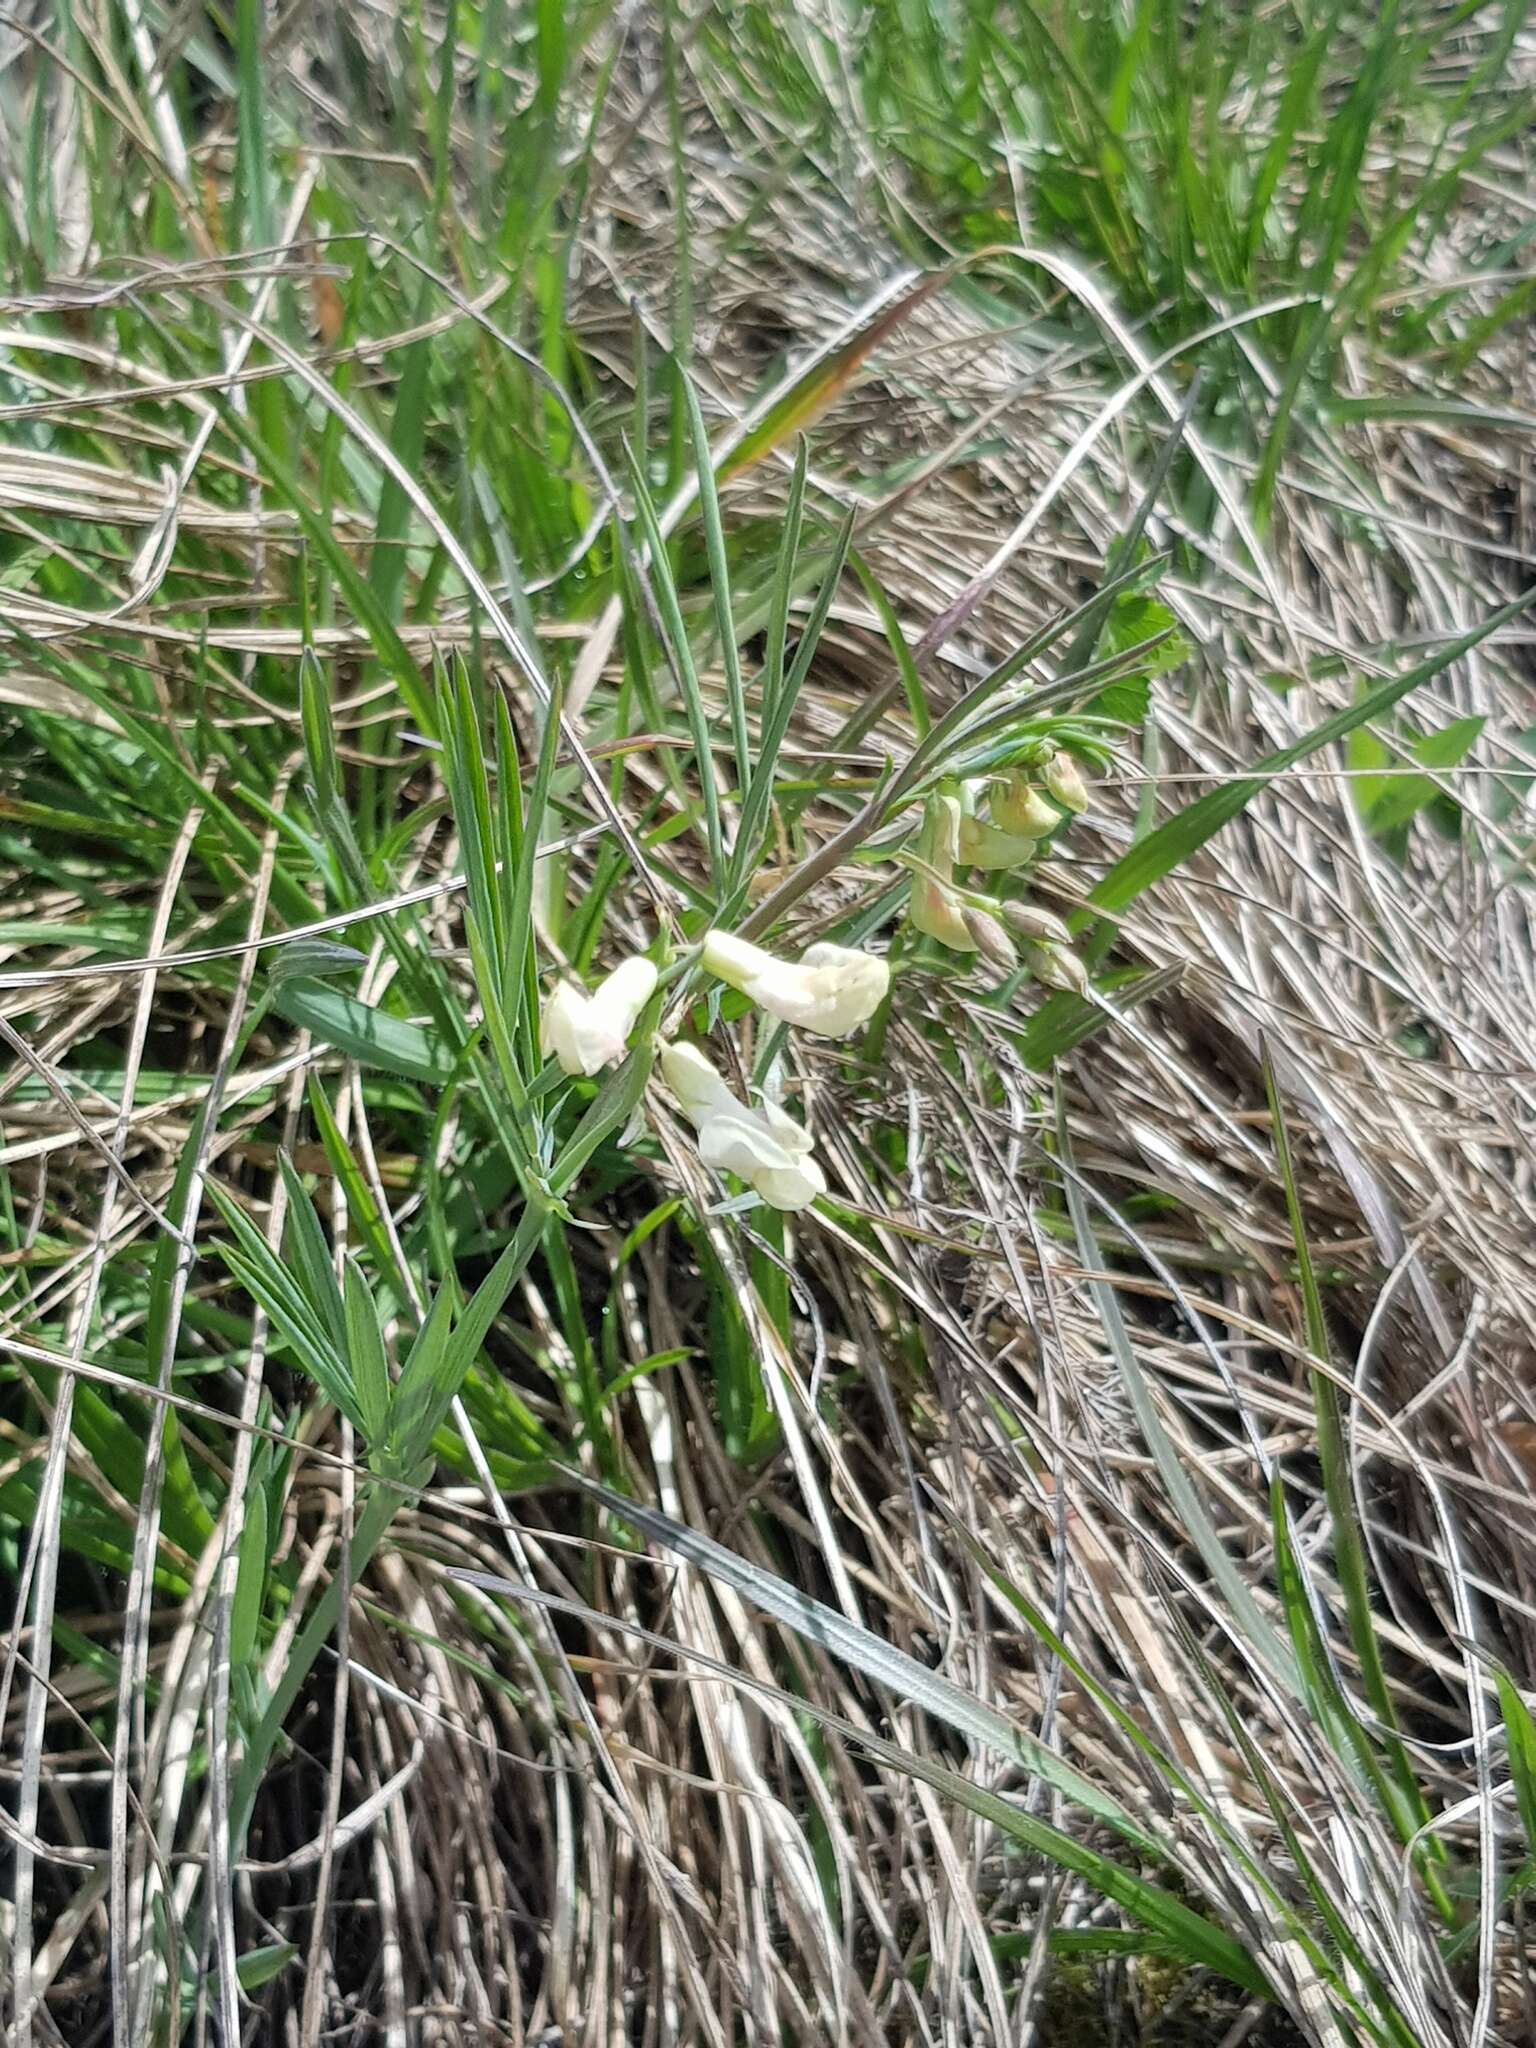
[[362, 1209], [681, 651], [1520, 1732], [250, 1580], [782, 593], [1177, 838], [319, 730], [720, 584], [434, 1371], [265, 1278], [866, 1652], [407, 437], [365, 1355], [310, 1255], [776, 724]]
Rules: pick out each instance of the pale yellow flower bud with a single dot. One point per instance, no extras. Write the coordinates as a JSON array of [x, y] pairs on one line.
[[1030, 922], [991, 938], [1064, 780], [1018, 808], [1058, 967]]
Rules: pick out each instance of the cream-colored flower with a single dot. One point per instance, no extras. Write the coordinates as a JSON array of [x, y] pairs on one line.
[[832, 990], [933, 907], [589, 1032], [766, 1148]]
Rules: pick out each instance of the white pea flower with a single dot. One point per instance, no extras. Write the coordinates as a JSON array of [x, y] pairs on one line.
[[766, 1148], [832, 991], [589, 1032], [933, 907]]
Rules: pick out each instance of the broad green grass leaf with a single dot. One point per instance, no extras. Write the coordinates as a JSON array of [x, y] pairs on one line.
[[1064, 1021], [259, 1966], [364, 1033], [1400, 798]]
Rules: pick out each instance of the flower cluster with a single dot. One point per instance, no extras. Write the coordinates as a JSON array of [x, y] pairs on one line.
[[994, 826], [1019, 816], [830, 991]]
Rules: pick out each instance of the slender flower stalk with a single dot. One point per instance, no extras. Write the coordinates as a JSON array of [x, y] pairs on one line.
[[832, 990], [589, 1032], [764, 1147]]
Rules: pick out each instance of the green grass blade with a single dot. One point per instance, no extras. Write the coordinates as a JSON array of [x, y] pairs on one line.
[[1178, 838], [720, 586], [680, 652]]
